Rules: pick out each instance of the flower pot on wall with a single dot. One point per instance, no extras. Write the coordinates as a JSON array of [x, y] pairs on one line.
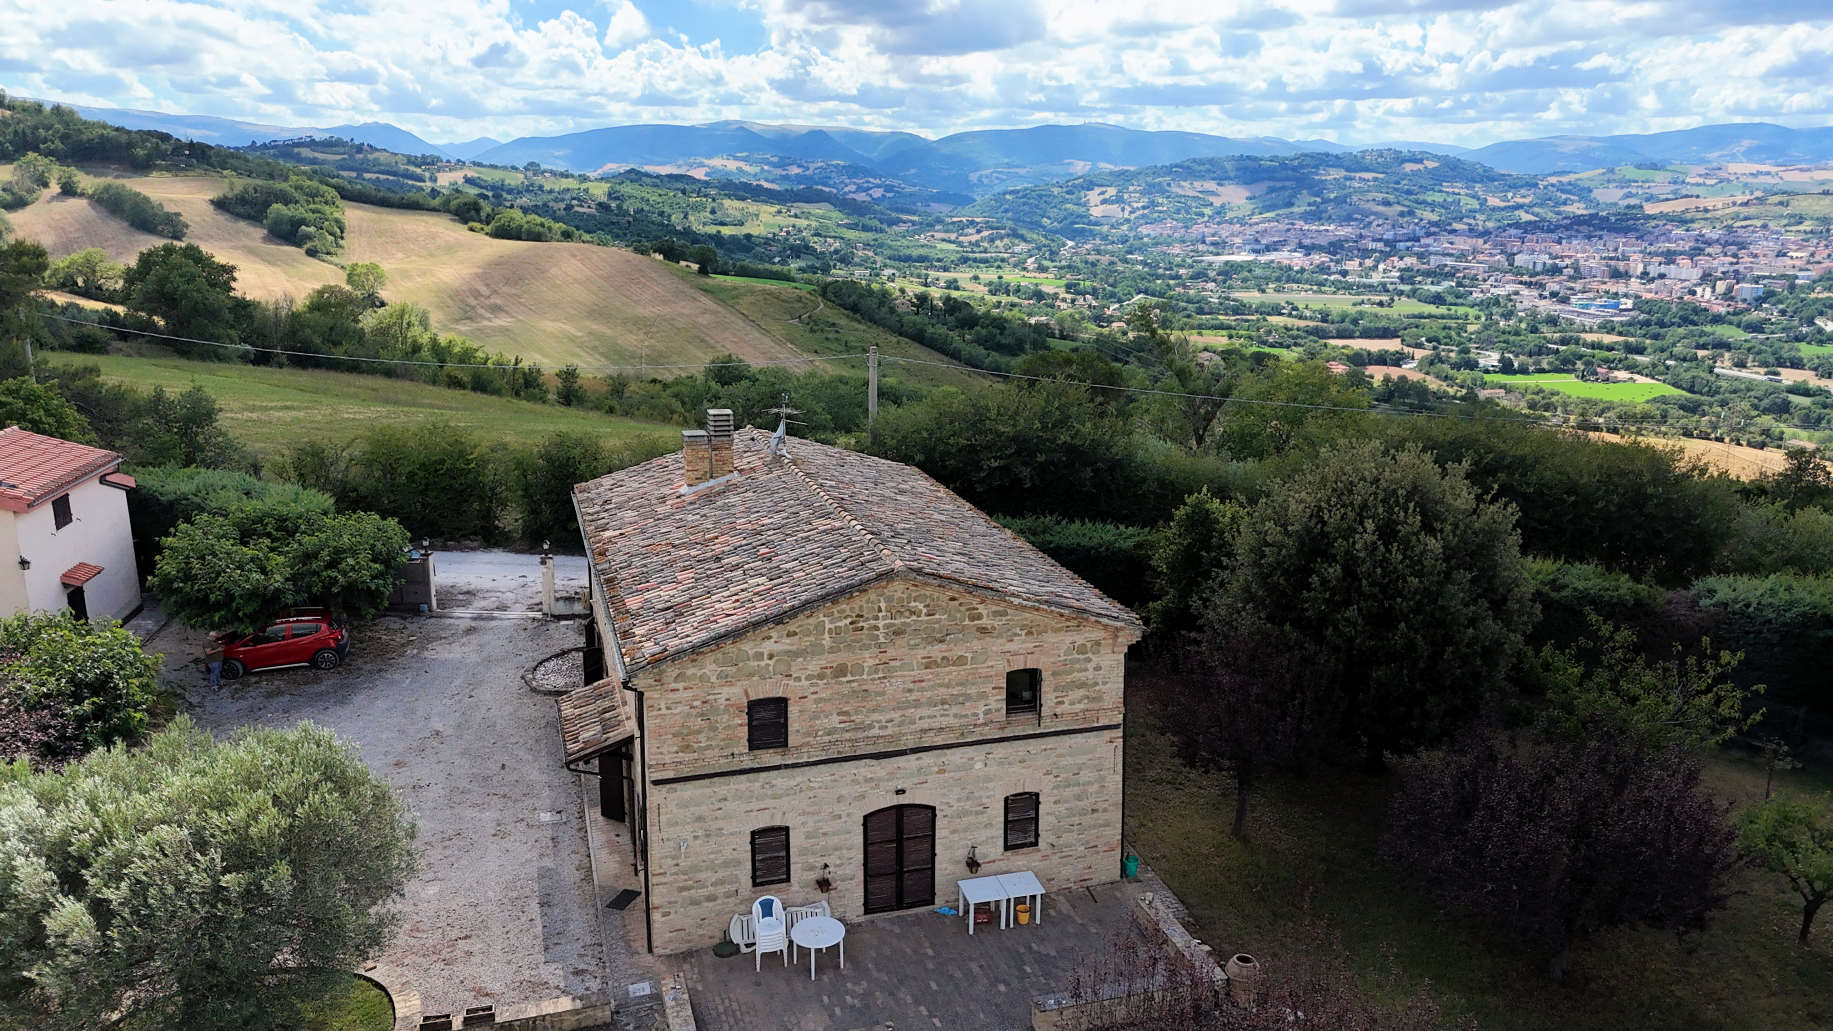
[[1244, 976]]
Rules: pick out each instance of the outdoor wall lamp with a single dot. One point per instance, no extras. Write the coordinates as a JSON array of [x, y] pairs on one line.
[[973, 861], [24, 563], [825, 882]]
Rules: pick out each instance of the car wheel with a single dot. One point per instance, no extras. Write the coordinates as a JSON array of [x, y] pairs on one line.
[[326, 659], [233, 669]]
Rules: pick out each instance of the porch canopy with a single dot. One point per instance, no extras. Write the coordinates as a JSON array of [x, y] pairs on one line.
[[594, 720]]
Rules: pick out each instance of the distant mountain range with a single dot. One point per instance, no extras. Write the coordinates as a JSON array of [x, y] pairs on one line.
[[981, 162]]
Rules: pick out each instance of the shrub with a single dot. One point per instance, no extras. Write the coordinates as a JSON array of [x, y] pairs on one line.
[[169, 495], [94, 672], [1783, 623], [139, 210], [197, 884], [545, 474], [1554, 841], [1568, 593], [1112, 556]]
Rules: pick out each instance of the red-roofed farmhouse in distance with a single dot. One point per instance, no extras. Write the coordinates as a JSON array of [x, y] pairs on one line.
[[819, 675], [65, 542]]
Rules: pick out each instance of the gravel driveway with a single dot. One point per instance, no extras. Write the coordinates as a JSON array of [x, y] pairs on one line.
[[503, 909], [502, 581]]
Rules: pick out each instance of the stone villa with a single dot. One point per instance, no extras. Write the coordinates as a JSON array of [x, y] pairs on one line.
[[811, 671]]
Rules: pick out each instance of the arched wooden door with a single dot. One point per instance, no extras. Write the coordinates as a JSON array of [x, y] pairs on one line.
[[900, 858]]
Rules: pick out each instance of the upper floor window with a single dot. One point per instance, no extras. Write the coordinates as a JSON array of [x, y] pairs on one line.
[[1021, 820], [1023, 687], [60, 511], [768, 723], [769, 856]]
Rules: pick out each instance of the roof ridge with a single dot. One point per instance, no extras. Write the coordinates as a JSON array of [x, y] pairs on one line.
[[845, 513]]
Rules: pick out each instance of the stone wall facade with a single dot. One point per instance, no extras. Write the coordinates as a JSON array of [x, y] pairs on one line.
[[897, 696]]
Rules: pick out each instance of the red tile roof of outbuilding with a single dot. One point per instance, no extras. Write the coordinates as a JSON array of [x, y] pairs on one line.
[[35, 468]]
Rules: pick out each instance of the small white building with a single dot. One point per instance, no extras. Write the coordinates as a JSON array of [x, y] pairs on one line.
[[65, 541]]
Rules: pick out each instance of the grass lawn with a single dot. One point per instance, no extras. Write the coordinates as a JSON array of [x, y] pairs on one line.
[[766, 282], [805, 322], [1729, 332], [1816, 349], [268, 408], [1629, 392], [1313, 844], [359, 1006]]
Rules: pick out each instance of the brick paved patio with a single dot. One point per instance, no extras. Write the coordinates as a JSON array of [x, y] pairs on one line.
[[913, 971]]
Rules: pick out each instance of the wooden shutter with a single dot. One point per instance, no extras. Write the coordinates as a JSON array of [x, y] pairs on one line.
[[1021, 820], [768, 723], [769, 856]]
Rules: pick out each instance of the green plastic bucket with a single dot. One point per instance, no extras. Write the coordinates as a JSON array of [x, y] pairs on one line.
[[1129, 866]]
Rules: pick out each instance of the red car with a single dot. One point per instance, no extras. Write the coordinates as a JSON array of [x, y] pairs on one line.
[[308, 637]]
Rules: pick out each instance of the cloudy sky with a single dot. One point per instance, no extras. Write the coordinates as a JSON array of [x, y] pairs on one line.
[[1355, 71]]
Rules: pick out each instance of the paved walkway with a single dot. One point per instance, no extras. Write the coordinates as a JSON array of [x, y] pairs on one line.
[[915, 970]]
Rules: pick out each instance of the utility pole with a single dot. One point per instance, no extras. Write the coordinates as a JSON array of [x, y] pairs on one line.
[[871, 386]]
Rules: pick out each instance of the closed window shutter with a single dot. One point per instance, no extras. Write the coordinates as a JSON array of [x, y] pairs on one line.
[[1021, 820], [768, 723], [769, 856]]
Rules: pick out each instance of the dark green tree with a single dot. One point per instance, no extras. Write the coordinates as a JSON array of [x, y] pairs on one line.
[[39, 407], [191, 293], [1406, 580]]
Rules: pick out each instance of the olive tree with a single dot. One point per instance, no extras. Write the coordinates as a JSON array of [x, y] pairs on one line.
[[193, 883]]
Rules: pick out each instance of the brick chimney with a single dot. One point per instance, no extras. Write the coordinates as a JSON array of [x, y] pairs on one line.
[[695, 456], [719, 441]]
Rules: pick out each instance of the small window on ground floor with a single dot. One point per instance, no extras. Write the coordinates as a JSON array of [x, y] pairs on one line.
[[1021, 820], [769, 856]]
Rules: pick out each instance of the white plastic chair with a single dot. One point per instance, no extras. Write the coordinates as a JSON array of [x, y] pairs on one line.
[[772, 930], [796, 914], [743, 931]]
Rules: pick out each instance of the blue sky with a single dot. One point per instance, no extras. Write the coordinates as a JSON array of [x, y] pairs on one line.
[[1355, 71]]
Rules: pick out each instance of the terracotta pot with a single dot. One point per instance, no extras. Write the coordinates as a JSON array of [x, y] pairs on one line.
[[1244, 976]]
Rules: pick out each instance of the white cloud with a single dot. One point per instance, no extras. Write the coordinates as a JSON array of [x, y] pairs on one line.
[[1460, 71], [628, 25]]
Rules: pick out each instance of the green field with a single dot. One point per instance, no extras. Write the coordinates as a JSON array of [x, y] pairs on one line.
[[1816, 349], [1729, 332], [268, 409], [802, 321], [1313, 852], [1627, 392], [766, 282]]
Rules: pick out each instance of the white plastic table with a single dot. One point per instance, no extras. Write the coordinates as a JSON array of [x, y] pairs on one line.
[[975, 890], [816, 933], [1024, 885]]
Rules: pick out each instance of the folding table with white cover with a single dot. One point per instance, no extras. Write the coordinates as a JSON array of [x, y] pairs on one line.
[[976, 890], [1024, 885]]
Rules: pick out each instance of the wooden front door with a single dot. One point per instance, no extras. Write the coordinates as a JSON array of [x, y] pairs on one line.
[[900, 858]]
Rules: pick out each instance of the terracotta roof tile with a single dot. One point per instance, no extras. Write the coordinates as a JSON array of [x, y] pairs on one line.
[[80, 574], [682, 569], [35, 468], [594, 720]]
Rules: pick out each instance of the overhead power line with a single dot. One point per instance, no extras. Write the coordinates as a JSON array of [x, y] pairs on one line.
[[810, 359], [441, 365]]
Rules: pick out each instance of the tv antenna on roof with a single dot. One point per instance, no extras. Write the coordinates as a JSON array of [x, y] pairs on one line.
[[783, 413]]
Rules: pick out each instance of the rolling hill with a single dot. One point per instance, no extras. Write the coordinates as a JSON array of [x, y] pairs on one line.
[[1754, 142], [549, 302], [1362, 187]]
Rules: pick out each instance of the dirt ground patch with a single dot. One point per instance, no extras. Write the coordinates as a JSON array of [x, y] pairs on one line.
[[503, 909]]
